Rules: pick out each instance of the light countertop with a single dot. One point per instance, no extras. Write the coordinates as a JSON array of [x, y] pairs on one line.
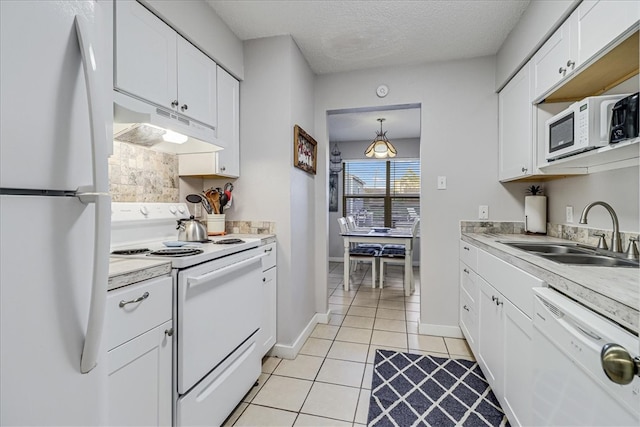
[[613, 292], [127, 271]]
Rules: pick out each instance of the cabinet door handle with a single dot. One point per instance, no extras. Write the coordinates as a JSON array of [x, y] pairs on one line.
[[168, 332], [498, 302], [465, 270], [174, 103], [133, 301], [222, 168], [264, 279], [184, 107], [494, 298], [466, 248], [465, 307], [562, 71], [571, 64], [268, 250], [524, 170]]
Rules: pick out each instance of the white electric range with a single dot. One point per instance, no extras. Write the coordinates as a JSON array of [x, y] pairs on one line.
[[216, 308], [151, 227]]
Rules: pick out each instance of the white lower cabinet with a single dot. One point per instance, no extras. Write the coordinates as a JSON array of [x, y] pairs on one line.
[[139, 337], [504, 330], [140, 380], [268, 326]]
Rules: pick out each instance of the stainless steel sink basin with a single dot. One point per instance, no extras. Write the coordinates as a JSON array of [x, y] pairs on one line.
[[574, 254], [550, 248], [590, 259]]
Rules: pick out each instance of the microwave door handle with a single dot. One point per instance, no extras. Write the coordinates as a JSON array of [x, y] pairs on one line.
[[96, 194]]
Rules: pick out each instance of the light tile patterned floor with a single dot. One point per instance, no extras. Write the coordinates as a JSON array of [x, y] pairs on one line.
[[329, 383]]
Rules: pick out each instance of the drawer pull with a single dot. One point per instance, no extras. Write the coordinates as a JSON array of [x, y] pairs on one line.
[[465, 307], [466, 248], [168, 332], [133, 301], [465, 270], [268, 250]]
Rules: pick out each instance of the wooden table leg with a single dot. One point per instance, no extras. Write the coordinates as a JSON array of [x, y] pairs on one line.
[[347, 261], [408, 276]]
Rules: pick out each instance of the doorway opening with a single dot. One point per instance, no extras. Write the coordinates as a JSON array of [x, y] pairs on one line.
[[376, 193]]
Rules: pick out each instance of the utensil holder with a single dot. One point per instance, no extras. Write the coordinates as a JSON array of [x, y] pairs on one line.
[[215, 223]]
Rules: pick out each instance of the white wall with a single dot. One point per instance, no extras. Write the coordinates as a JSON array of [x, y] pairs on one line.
[[459, 140], [535, 26], [620, 188], [201, 25], [276, 94]]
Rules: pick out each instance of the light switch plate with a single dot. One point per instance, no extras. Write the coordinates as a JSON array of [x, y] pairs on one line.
[[483, 212], [442, 183]]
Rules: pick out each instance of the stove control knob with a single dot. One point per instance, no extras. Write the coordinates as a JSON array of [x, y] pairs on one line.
[[144, 211], [181, 209], [172, 209]]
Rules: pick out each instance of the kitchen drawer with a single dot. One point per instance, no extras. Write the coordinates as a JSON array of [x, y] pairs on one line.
[[515, 284], [270, 259], [468, 281], [469, 319], [469, 254], [130, 320]]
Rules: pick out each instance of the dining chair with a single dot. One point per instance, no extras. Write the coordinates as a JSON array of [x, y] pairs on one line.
[[395, 254], [360, 254]]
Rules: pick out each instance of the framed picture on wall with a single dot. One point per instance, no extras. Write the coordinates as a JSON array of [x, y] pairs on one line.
[[305, 150], [333, 192]]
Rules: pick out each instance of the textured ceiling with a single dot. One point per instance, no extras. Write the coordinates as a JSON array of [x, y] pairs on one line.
[[353, 34]]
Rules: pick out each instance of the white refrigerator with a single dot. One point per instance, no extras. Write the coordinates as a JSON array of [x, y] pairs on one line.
[[55, 84]]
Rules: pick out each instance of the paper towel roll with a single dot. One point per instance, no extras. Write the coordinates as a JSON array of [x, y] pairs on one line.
[[535, 214]]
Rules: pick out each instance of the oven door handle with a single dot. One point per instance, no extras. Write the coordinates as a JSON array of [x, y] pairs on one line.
[[195, 281]]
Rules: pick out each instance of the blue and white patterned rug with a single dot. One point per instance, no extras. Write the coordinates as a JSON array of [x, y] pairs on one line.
[[415, 390]]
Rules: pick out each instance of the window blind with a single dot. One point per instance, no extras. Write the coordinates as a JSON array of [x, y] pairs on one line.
[[382, 192]]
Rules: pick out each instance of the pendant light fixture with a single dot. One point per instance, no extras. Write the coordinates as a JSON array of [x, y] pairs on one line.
[[381, 148], [335, 161]]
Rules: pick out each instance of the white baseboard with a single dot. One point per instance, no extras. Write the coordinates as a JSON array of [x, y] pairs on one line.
[[440, 330], [291, 351]]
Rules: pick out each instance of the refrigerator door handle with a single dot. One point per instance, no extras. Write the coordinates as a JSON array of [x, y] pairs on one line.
[[96, 99], [97, 306], [96, 194]]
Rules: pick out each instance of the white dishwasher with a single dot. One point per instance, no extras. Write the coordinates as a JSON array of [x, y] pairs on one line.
[[570, 385]]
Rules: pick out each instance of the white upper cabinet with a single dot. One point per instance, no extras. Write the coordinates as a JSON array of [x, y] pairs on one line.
[[228, 124], [554, 60], [145, 55], [154, 63], [515, 139], [196, 83], [593, 27], [599, 22]]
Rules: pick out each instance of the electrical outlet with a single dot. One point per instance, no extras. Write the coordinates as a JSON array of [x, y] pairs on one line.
[[569, 214], [483, 212], [442, 183]]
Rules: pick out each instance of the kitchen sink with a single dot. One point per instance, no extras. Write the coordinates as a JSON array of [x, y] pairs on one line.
[[574, 254], [556, 248], [590, 259]]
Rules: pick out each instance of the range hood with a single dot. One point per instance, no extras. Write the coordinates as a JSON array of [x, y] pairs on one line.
[[138, 122]]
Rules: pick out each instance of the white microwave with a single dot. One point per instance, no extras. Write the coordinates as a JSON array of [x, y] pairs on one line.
[[581, 127]]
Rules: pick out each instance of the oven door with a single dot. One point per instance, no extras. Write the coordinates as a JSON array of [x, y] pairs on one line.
[[218, 309]]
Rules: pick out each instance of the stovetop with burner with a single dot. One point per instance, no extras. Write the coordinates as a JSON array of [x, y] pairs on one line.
[[148, 230]]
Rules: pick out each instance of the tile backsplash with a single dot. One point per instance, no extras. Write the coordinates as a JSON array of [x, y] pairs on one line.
[[138, 174]]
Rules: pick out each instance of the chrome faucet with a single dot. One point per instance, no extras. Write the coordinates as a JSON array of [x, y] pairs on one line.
[[616, 241]]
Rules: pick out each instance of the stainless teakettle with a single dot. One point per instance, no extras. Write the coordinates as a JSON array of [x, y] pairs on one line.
[[191, 230]]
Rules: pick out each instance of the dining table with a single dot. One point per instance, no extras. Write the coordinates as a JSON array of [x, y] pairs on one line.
[[396, 236]]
